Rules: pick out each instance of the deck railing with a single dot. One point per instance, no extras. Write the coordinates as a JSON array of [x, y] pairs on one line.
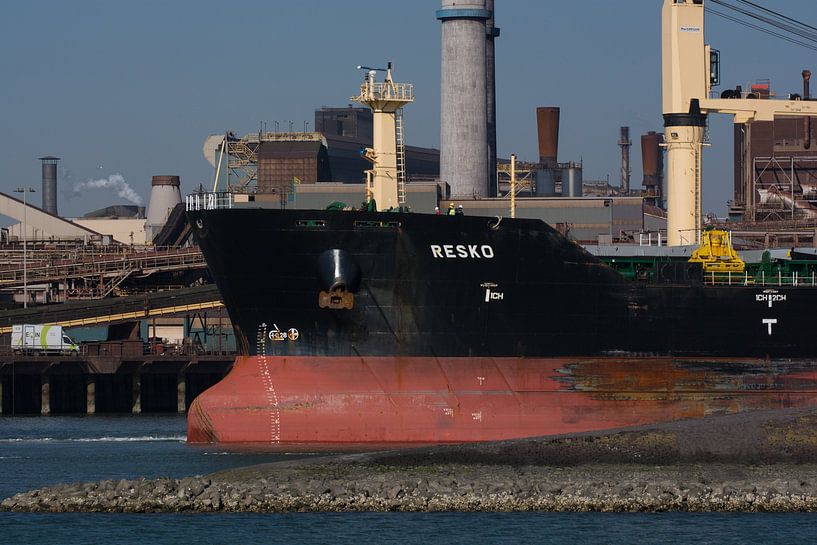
[[208, 201], [761, 279]]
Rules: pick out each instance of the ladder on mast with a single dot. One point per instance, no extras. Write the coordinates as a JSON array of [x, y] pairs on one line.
[[401, 157]]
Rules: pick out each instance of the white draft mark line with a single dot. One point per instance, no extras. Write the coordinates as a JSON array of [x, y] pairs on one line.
[[269, 388]]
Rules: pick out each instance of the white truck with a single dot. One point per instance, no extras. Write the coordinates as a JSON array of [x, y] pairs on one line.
[[41, 339]]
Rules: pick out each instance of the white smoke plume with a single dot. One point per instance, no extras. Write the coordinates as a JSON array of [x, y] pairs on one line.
[[114, 181]]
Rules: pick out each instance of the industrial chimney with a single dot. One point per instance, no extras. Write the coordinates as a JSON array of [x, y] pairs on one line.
[[463, 97], [625, 143], [547, 125], [164, 196], [50, 184]]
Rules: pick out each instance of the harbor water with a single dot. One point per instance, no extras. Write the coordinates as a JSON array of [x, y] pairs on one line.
[[40, 451]]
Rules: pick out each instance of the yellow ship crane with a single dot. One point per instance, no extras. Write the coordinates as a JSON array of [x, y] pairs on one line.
[[689, 69], [716, 253]]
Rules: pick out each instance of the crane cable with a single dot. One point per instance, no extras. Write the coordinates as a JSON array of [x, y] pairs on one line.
[[761, 29], [800, 32], [776, 14]]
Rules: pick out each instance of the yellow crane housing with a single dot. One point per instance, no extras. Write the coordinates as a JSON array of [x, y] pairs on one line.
[[716, 253]]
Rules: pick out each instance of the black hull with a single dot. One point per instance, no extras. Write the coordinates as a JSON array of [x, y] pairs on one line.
[[425, 285], [385, 328]]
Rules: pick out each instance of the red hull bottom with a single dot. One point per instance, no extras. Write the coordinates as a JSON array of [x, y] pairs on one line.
[[391, 400]]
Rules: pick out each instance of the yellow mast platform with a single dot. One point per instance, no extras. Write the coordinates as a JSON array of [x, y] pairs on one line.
[[385, 99]]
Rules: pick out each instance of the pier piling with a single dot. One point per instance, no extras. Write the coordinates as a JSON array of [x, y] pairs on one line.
[[45, 391], [90, 394], [137, 394], [181, 405]]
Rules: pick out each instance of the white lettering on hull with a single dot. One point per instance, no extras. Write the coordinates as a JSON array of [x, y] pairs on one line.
[[462, 251], [276, 334], [770, 298], [493, 295], [769, 322]]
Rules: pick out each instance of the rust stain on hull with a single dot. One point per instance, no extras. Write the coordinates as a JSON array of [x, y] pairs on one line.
[[411, 400]]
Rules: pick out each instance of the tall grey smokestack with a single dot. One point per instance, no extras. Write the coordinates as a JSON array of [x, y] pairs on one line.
[[491, 33], [50, 184], [463, 97]]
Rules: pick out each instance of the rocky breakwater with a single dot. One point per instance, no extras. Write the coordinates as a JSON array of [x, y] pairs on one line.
[[754, 462]]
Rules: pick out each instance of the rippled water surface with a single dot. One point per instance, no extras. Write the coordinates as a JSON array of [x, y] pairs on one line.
[[38, 451]]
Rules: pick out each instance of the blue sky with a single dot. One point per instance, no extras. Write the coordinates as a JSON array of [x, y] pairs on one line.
[[133, 88]]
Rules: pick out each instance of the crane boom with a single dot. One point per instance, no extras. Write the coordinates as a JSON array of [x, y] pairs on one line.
[[687, 75]]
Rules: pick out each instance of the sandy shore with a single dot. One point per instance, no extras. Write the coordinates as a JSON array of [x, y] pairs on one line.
[[747, 462]]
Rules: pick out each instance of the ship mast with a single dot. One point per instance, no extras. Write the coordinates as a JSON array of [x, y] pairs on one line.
[[385, 99]]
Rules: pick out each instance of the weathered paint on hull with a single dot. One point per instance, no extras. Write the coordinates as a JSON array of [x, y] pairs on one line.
[[320, 400]]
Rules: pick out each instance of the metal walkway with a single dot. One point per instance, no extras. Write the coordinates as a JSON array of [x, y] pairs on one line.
[[92, 272], [115, 309]]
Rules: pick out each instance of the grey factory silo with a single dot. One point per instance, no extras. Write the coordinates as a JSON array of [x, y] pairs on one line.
[[463, 98], [164, 196], [50, 184]]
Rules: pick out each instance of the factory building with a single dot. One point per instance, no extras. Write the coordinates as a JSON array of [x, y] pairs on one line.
[[276, 162], [313, 169], [281, 163], [775, 165], [124, 223]]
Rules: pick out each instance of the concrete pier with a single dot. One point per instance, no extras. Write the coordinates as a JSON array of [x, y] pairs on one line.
[[84, 384]]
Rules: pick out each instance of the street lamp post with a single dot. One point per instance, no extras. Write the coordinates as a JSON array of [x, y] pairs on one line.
[[25, 190]]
